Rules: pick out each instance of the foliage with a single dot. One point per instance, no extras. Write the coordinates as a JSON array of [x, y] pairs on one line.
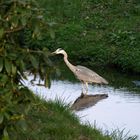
[[14, 106], [54, 120], [122, 135], [127, 54], [91, 31], [16, 58], [97, 32]]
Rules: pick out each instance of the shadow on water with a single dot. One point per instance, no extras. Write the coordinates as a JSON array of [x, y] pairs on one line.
[[86, 101]]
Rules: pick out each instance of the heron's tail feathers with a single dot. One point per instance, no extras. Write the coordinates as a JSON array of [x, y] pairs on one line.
[[104, 81]]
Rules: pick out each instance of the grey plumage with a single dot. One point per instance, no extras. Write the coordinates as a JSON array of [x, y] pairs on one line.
[[85, 75]]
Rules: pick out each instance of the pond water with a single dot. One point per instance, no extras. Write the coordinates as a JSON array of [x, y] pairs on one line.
[[121, 110]]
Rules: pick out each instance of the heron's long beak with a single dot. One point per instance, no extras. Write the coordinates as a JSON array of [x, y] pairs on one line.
[[53, 53]]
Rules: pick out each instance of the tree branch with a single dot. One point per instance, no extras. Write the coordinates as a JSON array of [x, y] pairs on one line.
[[14, 30]]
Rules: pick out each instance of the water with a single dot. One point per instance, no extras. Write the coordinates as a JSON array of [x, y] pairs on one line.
[[121, 110]]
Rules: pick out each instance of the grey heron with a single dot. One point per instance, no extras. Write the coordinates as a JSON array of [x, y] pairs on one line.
[[85, 75]]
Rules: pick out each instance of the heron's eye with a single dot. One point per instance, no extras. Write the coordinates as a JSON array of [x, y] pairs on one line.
[[77, 70]]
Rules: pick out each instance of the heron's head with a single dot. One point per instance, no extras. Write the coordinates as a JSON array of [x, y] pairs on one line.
[[59, 51]]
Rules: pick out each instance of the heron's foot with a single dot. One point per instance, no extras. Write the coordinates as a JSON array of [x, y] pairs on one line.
[[83, 95]]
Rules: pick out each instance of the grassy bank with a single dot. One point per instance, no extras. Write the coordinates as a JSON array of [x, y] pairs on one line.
[[96, 33], [54, 121], [36, 119]]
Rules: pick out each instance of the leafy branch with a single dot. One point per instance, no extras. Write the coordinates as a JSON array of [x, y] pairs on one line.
[[16, 58]]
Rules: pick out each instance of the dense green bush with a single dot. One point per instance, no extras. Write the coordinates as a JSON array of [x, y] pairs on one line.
[[16, 57], [127, 51], [97, 32]]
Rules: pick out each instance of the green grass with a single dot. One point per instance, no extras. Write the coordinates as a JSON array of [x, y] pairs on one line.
[[55, 121], [97, 33], [122, 135]]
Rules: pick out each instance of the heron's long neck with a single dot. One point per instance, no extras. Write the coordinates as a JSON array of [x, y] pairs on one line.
[[71, 67]]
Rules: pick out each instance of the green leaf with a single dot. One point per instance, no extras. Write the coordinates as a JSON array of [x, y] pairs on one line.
[[4, 79], [14, 69], [1, 118], [22, 124], [37, 31], [41, 73], [34, 61], [1, 32], [15, 21], [52, 33], [8, 66], [58, 72], [5, 135], [23, 21], [6, 114], [47, 81], [22, 65], [1, 64]]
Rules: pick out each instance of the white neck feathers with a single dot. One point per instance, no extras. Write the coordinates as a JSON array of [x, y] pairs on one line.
[[71, 67]]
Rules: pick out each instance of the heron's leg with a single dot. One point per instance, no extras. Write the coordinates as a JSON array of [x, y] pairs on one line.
[[86, 87], [82, 88]]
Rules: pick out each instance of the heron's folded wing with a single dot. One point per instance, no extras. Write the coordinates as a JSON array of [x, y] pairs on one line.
[[87, 75]]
